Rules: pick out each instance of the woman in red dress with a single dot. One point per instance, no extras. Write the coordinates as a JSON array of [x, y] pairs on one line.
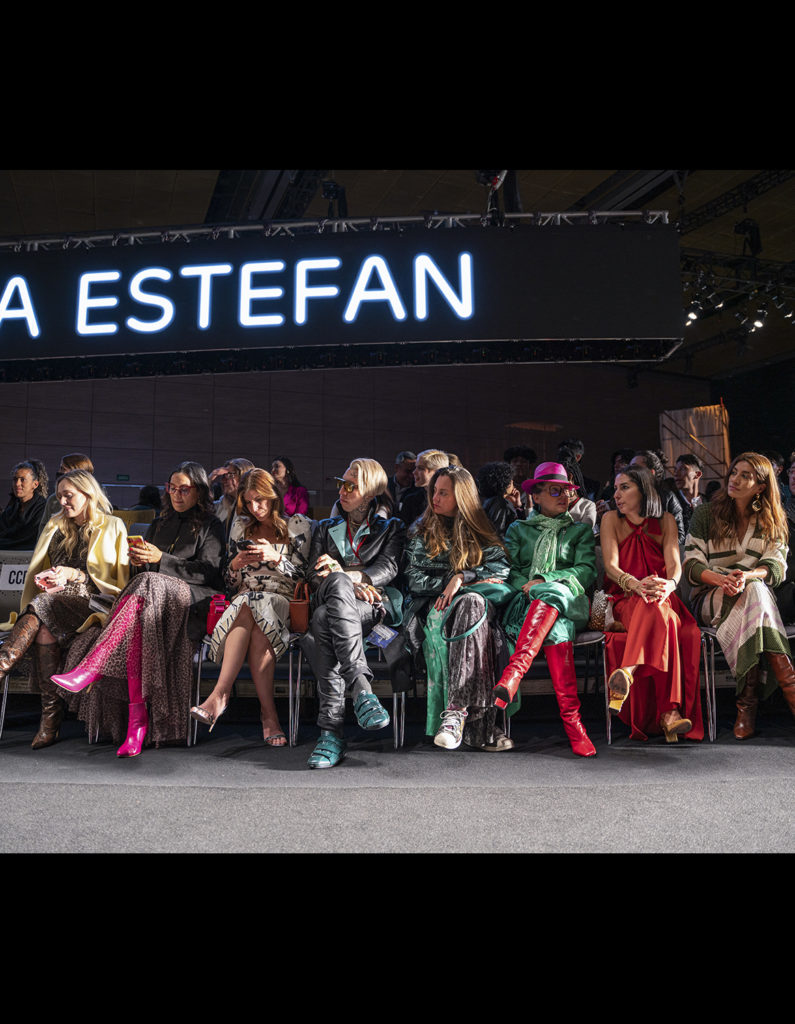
[[658, 655]]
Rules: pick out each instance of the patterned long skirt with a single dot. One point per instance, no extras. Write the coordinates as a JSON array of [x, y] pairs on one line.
[[462, 671], [146, 631]]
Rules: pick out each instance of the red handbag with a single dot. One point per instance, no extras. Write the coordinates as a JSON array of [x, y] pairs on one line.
[[218, 605]]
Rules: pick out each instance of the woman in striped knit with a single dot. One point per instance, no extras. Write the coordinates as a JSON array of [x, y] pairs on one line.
[[735, 555]]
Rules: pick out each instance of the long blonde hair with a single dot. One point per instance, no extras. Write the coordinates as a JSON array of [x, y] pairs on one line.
[[770, 518], [472, 530], [97, 507], [264, 486]]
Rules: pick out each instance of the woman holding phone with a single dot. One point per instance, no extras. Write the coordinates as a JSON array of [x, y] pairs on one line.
[[266, 557], [80, 557]]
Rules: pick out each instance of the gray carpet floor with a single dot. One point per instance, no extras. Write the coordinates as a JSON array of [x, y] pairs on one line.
[[231, 794]]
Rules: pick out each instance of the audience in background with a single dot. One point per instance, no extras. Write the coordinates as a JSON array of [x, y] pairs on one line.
[[402, 480], [294, 495], [502, 502], [20, 520], [415, 499], [229, 477]]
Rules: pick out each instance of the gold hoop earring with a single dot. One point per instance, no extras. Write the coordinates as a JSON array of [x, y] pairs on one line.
[[756, 504]]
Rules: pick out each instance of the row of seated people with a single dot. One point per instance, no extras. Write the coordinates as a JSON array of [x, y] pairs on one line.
[[472, 607]]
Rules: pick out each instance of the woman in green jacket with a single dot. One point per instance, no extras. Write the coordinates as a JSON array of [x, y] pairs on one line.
[[553, 563], [455, 571]]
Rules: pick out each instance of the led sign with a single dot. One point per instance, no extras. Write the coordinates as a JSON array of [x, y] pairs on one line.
[[348, 289]]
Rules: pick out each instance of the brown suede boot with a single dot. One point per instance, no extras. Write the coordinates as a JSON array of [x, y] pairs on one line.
[[18, 643], [747, 703], [47, 659]]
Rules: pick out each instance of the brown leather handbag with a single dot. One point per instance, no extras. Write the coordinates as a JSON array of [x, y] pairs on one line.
[[299, 609]]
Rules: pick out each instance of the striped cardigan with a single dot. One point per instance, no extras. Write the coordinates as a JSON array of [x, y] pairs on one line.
[[753, 552]]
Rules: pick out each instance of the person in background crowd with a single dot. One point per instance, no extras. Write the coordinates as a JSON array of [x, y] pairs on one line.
[[266, 557], [144, 653], [456, 569], [353, 562], [294, 495], [785, 593], [670, 503], [735, 556], [590, 488], [148, 498], [521, 459], [776, 460], [402, 480], [620, 458], [415, 500], [21, 519], [553, 564], [688, 470], [502, 502], [81, 554], [229, 478], [581, 508], [76, 460], [660, 651]]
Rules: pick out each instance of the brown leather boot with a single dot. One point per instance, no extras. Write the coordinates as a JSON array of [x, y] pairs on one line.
[[785, 676], [18, 643], [47, 658], [747, 703]]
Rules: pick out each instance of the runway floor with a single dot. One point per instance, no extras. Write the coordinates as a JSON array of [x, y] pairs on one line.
[[232, 794]]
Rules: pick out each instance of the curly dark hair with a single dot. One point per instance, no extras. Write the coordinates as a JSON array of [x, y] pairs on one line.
[[493, 479]]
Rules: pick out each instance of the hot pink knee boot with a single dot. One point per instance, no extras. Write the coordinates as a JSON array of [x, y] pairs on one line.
[[138, 721]]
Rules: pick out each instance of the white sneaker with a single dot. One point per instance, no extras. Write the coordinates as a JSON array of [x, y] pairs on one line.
[[451, 730]]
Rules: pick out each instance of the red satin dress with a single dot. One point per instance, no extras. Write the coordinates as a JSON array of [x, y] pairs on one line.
[[663, 640]]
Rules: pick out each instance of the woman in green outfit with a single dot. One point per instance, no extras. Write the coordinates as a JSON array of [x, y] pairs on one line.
[[735, 554], [455, 571], [553, 563]]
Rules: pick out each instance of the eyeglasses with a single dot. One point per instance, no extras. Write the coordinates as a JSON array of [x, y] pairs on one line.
[[345, 485], [555, 492], [181, 491]]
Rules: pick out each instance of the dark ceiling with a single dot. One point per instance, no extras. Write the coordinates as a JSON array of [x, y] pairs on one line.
[[737, 228]]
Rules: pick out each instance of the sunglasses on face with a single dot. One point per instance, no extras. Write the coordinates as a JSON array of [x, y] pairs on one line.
[[345, 485]]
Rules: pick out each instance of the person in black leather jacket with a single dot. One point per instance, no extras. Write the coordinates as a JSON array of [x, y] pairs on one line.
[[353, 560], [501, 500]]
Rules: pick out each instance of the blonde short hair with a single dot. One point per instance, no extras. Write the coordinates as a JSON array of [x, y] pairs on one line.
[[371, 476], [433, 458]]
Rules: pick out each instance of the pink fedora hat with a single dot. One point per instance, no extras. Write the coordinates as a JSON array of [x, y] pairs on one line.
[[549, 473]]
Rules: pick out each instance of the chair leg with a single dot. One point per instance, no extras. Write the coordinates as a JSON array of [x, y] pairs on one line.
[[3, 707]]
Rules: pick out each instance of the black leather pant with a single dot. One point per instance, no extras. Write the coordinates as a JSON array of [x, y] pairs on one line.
[[334, 646]]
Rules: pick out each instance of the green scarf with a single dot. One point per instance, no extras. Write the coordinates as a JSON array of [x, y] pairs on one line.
[[545, 552]]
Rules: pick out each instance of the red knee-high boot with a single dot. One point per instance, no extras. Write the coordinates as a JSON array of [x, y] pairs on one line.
[[560, 659], [138, 721], [539, 620]]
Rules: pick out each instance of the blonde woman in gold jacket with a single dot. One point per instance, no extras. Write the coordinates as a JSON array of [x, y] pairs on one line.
[[80, 555]]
